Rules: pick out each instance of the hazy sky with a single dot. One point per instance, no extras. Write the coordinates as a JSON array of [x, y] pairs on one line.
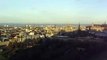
[[53, 11]]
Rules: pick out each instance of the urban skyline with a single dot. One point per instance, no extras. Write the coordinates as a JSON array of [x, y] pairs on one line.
[[53, 11]]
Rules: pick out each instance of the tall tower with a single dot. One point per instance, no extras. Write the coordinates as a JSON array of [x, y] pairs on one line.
[[79, 27], [79, 32]]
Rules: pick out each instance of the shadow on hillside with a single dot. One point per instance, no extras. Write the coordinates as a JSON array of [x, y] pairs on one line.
[[57, 49]]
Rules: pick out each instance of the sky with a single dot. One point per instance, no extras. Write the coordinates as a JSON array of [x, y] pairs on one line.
[[53, 11]]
